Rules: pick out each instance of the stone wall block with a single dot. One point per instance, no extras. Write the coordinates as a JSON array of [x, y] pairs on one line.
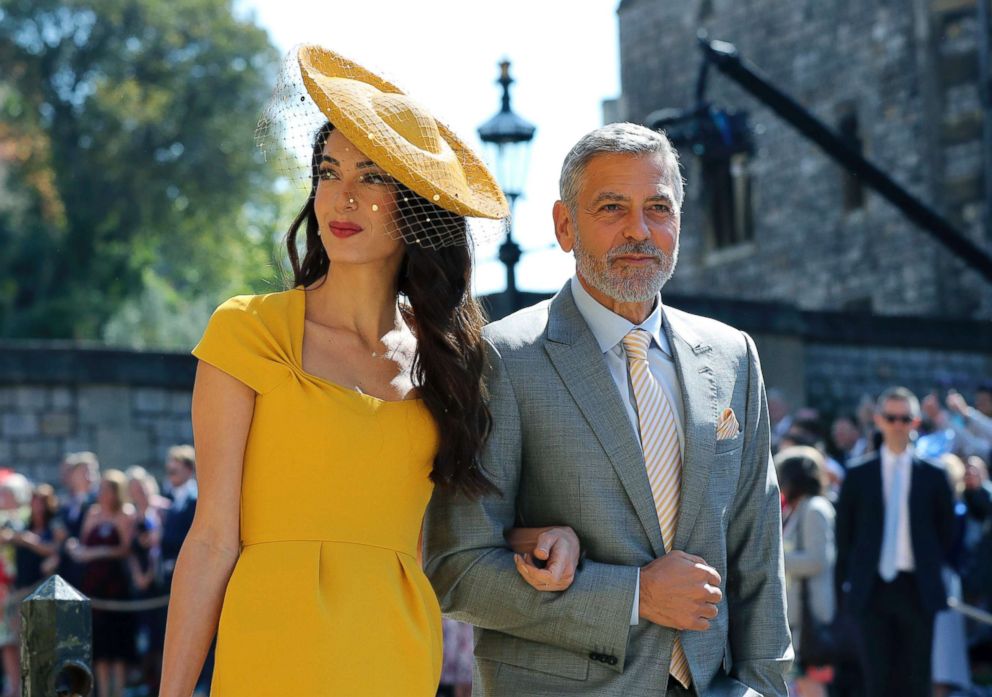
[[121, 448], [150, 401], [105, 405], [62, 398], [29, 398], [36, 450], [58, 424], [19, 425]]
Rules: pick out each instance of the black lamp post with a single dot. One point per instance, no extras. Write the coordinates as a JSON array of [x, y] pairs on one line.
[[507, 138]]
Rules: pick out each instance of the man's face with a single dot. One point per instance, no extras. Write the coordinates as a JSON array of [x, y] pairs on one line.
[[177, 472], [625, 226], [844, 433], [78, 478], [896, 422], [983, 402]]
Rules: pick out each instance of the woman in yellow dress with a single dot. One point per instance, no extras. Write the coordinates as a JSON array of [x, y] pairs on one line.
[[324, 416]]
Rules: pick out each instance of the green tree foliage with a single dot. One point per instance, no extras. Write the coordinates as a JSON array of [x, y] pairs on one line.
[[128, 175]]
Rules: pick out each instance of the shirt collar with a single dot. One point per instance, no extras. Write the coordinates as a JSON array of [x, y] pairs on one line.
[[609, 328], [905, 456], [184, 492]]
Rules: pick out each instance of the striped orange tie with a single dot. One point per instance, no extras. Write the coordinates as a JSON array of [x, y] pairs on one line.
[[662, 458]]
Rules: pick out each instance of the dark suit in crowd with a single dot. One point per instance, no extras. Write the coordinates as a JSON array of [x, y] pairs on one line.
[[895, 616], [72, 513], [175, 527]]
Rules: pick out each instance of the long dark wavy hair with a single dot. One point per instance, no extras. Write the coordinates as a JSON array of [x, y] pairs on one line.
[[445, 318]]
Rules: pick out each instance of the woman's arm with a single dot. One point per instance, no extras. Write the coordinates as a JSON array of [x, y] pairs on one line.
[[222, 411], [86, 553], [32, 540]]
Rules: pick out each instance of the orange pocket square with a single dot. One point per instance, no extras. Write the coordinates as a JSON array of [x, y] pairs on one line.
[[727, 426]]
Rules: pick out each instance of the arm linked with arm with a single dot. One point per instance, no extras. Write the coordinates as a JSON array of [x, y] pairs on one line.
[[758, 630], [472, 569]]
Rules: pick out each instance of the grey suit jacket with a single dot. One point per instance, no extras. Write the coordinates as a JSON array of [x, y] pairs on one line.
[[563, 451]]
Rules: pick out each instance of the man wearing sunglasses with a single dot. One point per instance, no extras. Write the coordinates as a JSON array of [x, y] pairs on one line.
[[894, 527]]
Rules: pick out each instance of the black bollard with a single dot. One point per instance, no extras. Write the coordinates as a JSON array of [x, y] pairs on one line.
[[56, 642]]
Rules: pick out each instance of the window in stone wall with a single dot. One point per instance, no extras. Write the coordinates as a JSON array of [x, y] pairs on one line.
[[854, 193], [727, 187]]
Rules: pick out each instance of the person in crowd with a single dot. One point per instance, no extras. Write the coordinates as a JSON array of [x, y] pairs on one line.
[[180, 472], [806, 431], [80, 474], [976, 572], [103, 549], [808, 542], [35, 558], [895, 527], [779, 417], [949, 661], [15, 498], [325, 415], [848, 441], [983, 399], [145, 566], [866, 423], [644, 428], [456, 669], [973, 425], [35, 547]]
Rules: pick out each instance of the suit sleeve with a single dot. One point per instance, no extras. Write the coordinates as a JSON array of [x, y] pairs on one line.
[[472, 570], [844, 534], [760, 642]]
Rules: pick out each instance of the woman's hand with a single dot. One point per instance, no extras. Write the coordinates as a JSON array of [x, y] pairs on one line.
[[557, 548]]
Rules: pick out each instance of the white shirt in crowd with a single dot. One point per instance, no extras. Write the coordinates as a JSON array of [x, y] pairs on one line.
[[890, 461]]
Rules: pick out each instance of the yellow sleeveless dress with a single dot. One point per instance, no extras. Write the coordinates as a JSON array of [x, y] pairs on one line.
[[327, 597]]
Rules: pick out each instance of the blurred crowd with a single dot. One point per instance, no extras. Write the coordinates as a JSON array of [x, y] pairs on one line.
[[814, 458], [114, 536]]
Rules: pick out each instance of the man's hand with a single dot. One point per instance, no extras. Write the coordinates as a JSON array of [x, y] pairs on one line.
[[679, 590], [557, 547], [957, 404]]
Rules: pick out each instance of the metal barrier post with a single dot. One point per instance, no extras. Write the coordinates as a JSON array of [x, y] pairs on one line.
[[56, 642]]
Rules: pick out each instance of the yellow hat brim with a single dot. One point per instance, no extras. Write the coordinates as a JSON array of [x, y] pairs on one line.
[[400, 136]]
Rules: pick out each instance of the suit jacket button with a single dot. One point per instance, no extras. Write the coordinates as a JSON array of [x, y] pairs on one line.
[[594, 656], [613, 660]]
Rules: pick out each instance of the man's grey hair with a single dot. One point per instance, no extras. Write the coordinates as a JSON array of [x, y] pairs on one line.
[[624, 138], [901, 394]]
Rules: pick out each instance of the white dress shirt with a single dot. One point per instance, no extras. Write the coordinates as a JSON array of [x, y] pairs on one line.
[[184, 492], [609, 329], [904, 544]]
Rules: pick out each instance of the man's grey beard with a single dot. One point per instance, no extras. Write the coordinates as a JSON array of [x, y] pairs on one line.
[[631, 284]]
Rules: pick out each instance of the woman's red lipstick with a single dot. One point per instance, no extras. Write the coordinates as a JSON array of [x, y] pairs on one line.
[[341, 229]]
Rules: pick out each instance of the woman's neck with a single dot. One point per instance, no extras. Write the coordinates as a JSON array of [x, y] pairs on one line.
[[360, 298]]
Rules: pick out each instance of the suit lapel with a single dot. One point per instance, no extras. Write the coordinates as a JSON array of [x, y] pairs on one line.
[[580, 364], [698, 387]]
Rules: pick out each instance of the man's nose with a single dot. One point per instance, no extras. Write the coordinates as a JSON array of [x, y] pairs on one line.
[[637, 227]]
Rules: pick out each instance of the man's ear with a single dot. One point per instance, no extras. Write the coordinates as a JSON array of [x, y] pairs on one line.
[[564, 226]]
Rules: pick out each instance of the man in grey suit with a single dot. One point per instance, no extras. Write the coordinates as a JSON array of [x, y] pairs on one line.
[[621, 440]]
